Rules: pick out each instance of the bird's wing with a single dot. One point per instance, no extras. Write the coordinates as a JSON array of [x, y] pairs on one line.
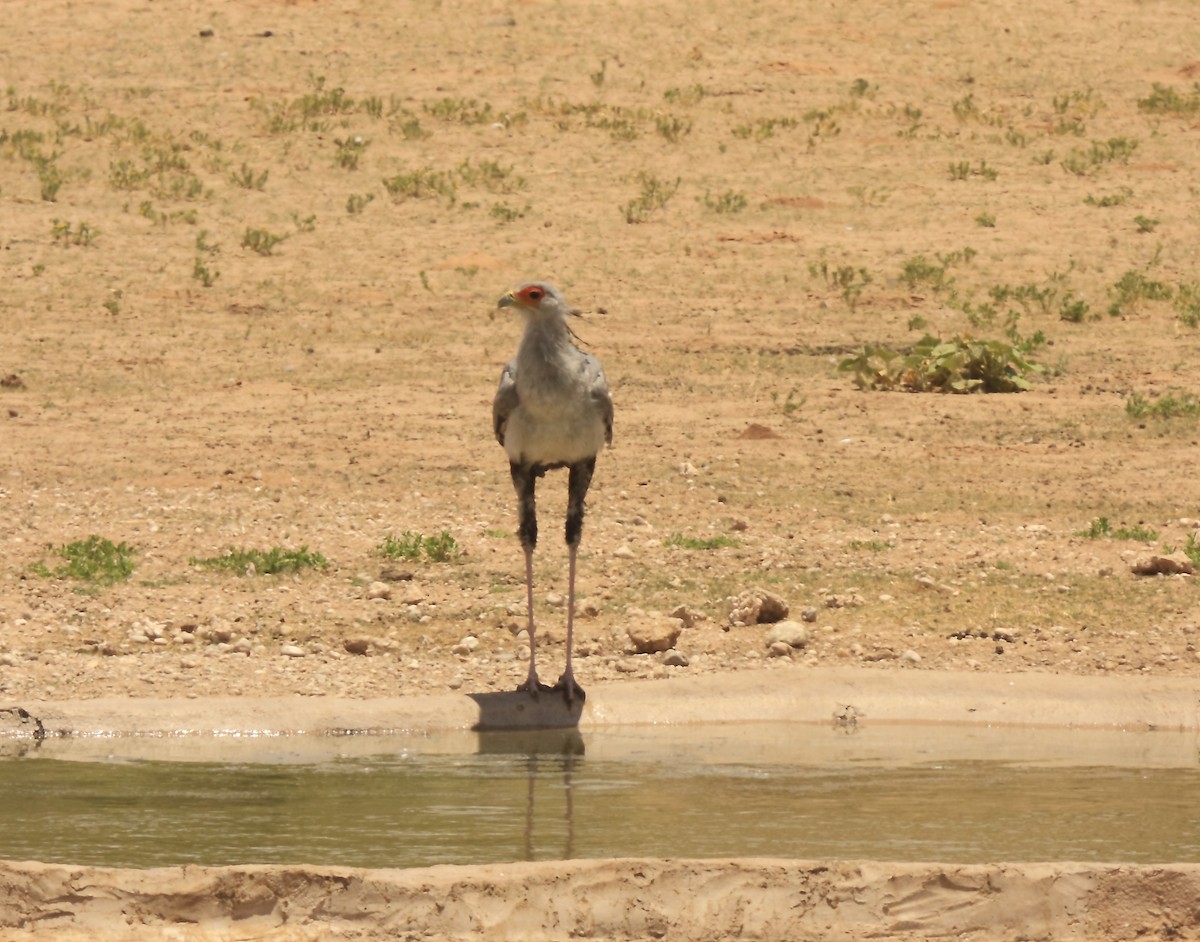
[[599, 391], [506, 400]]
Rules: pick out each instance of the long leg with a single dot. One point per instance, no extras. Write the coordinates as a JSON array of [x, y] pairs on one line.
[[524, 479], [578, 482]]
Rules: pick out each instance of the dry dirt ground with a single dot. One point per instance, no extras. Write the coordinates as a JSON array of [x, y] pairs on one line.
[[251, 253]]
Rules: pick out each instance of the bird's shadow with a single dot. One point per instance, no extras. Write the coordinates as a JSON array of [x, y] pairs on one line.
[[520, 709]]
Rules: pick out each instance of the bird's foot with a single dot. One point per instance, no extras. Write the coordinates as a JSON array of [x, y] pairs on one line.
[[533, 687], [570, 689]]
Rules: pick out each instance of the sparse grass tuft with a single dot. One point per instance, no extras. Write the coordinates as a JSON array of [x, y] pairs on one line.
[[846, 279], [249, 562], [731, 201], [1163, 99], [696, 543], [439, 548], [260, 241], [95, 560], [655, 195], [1132, 289], [248, 178], [1169, 405], [66, 234], [1101, 529]]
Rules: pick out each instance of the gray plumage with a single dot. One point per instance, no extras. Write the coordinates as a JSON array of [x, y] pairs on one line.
[[552, 409]]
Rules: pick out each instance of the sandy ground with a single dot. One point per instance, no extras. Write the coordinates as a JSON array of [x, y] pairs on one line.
[[251, 253]]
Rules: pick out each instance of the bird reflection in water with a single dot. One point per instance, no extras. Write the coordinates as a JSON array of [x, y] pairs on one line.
[[549, 749]]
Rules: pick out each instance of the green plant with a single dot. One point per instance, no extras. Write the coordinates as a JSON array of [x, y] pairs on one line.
[[1101, 529], [505, 213], [696, 543], [356, 203], [962, 170], [764, 128], [440, 548], [1132, 288], [247, 562], [260, 241], [986, 220], [791, 404], [671, 128], [1191, 549], [96, 560], [959, 365], [124, 175], [113, 304], [49, 177], [65, 234], [1163, 99], [655, 195], [405, 546], [1083, 161], [349, 150], [1187, 303], [1169, 405], [203, 274], [861, 88], [460, 110], [692, 95], [1073, 309], [248, 178], [489, 175], [919, 270], [1109, 199], [731, 201], [846, 279], [422, 183], [1145, 223]]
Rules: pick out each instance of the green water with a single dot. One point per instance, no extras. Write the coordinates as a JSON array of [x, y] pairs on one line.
[[523, 799]]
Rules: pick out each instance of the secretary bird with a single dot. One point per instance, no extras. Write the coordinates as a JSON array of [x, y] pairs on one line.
[[552, 410]]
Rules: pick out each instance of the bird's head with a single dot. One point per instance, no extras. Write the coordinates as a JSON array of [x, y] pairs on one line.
[[537, 299]]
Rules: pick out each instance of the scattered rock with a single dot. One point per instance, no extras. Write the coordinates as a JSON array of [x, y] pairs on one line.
[[910, 657], [779, 649], [675, 658], [1175, 564], [623, 552], [392, 574], [791, 633], [688, 616], [555, 600], [468, 645], [808, 614], [379, 590], [756, 607], [654, 633], [413, 594], [357, 645], [291, 650]]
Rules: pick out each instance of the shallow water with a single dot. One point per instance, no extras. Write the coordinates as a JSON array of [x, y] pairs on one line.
[[773, 790]]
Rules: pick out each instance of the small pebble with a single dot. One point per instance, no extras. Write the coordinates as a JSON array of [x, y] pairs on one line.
[[291, 650]]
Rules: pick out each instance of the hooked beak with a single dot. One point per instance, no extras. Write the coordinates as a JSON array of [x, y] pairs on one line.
[[509, 300]]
